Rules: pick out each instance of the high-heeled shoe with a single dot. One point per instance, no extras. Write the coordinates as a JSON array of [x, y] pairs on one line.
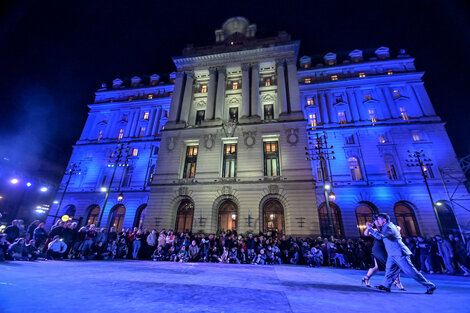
[[399, 285], [365, 281]]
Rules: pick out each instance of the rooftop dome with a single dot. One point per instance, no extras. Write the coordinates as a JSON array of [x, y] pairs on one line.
[[237, 24]]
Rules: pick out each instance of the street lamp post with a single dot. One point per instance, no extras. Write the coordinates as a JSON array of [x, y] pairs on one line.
[[418, 158], [120, 157], [74, 169], [324, 153]]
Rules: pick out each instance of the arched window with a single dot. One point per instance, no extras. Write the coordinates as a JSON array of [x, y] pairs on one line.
[[70, 210], [364, 213], [140, 216], [184, 217], [336, 220], [117, 217], [355, 169], [228, 214], [93, 214], [390, 167], [273, 217], [406, 219], [447, 219]]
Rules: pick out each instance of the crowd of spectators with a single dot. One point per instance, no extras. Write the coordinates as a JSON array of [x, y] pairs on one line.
[[66, 241]]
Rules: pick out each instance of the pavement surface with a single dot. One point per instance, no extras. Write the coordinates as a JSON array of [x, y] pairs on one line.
[[146, 286]]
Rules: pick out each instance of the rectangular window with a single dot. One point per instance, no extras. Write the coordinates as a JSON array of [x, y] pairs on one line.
[[350, 140], [150, 96], [396, 93], [200, 116], [146, 116], [308, 80], [135, 152], [390, 73], [190, 162], [342, 117], [416, 137], [121, 134], [334, 77], [373, 115], [322, 171], [428, 171], [271, 158], [403, 114], [382, 138], [100, 135], [267, 82], [142, 132], [204, 88], [268, 112], [367, 97], [313, 120], [235, 85], [391, 172], [310, 101], [233, 115], [362, 74], [229, 168]]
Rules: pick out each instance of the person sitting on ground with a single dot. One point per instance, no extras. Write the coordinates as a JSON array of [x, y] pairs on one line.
[[269, 255], [242, 255], [31, 252], [3, 247], [315, 257], [277, 255], [170, 255], [158, 254], [122, 247], [182, 255], [232, 256], [56, 248], [193, 252], [260, 258], [224, 256], [112, 250], [17, 250]]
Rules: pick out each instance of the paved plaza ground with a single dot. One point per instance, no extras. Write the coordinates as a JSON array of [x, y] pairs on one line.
[[145, 286]]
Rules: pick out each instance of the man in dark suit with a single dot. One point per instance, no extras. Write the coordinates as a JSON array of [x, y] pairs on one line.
[[398, 255]]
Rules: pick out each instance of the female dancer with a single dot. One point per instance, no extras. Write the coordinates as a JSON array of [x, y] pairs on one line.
[[380, 256]]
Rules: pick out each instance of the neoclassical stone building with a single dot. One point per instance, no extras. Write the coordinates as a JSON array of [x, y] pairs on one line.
[[230, 143]]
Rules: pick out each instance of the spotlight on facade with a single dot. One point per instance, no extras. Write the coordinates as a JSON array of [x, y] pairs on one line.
[[331, 196], [234, 216], [41, 211], [14, 181], [120, 197], [1, 197], [43, 189], [327, 186], [104, 189], [438, 203], [56, 202], [28, 184]]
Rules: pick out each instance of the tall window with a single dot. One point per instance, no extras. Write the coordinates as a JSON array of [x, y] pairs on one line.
[[403, 114], [362, 74], [364, 214], [390, 167], [93, 214], [342, 117], [100, 135], [355, 169], [367, 97], [267, 82], [117, 217], [310, 101], [135, 152], [406, 219], [313, 119], [121, 134], [416, 136], [204, 88], [235, 85], [350, 140], [382, 138], [230, 160], [200, 116], [184, 217], [268, 112], [271, 158], [146, 116], [428, 171], [190, 162], [396, 93], [308, 80], [126, 181], [142, 132], [337, 220], [373, 115], [233, 115], [322, 171], [334, 77]]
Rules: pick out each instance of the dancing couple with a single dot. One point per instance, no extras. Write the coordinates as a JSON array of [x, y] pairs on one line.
[[398, 255]]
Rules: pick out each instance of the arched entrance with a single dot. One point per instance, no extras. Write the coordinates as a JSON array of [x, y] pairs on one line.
[[336, 219], [406, 219], [118, 213], [140, 216], [447, 219], [228, 215], [364, 213], [273, 217], [93, 214], [184, 216]]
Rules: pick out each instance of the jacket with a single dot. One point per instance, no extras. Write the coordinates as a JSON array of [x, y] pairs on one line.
[[392, 240]]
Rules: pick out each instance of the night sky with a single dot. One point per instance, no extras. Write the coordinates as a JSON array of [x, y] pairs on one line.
[[55, 54]]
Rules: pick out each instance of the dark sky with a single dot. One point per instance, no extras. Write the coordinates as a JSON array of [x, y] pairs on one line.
[[55, 54]]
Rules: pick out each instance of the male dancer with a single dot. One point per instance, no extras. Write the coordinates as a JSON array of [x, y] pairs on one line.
[[398, 255]]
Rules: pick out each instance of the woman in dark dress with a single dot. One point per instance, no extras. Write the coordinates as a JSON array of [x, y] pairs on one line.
[[380, 257]]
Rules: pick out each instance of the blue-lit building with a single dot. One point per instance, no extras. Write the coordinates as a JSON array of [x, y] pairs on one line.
[[229, 142]]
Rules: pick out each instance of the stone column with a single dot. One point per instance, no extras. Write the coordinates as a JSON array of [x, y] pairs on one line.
[[352, 106], [220, 98], [153, 114], [135, 129], [390, 103], [387, 112], [130, 122], [333, 117], [255, 90], [294, 94], [423, 99], [209, 114], [89, 127], [111, 125], [281, 88], [187, 98], [176, 98], [323, 109], [245, 111], [360, 107], [156, 121]]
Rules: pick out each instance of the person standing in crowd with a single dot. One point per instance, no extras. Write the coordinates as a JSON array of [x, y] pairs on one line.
[[398, 255], [12, 231], [151, 243], [446, 253], [136, 243], [425, 256], [461, 255], [32, 227], [40, 236]]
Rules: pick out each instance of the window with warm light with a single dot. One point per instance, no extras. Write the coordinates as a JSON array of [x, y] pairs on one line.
[[200, 116], [310, 101], [308, 80], [355, 169], [427, 170], [390, 167], [233, 115], [362, 74], [146, 116], [382, 138], [342, 117], [416, 136], [142, 132], [396, 93], [121, 134], [235, 85], [135, 152], [190, 162], [271, 158], [150, 96], [403, 114], [372, 115], [204, 88], [390, 73], [229, 167], [267, 82], [367, 97], [130, 98], [100, 135], [313, 120], [268, 112], [334, 77]]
